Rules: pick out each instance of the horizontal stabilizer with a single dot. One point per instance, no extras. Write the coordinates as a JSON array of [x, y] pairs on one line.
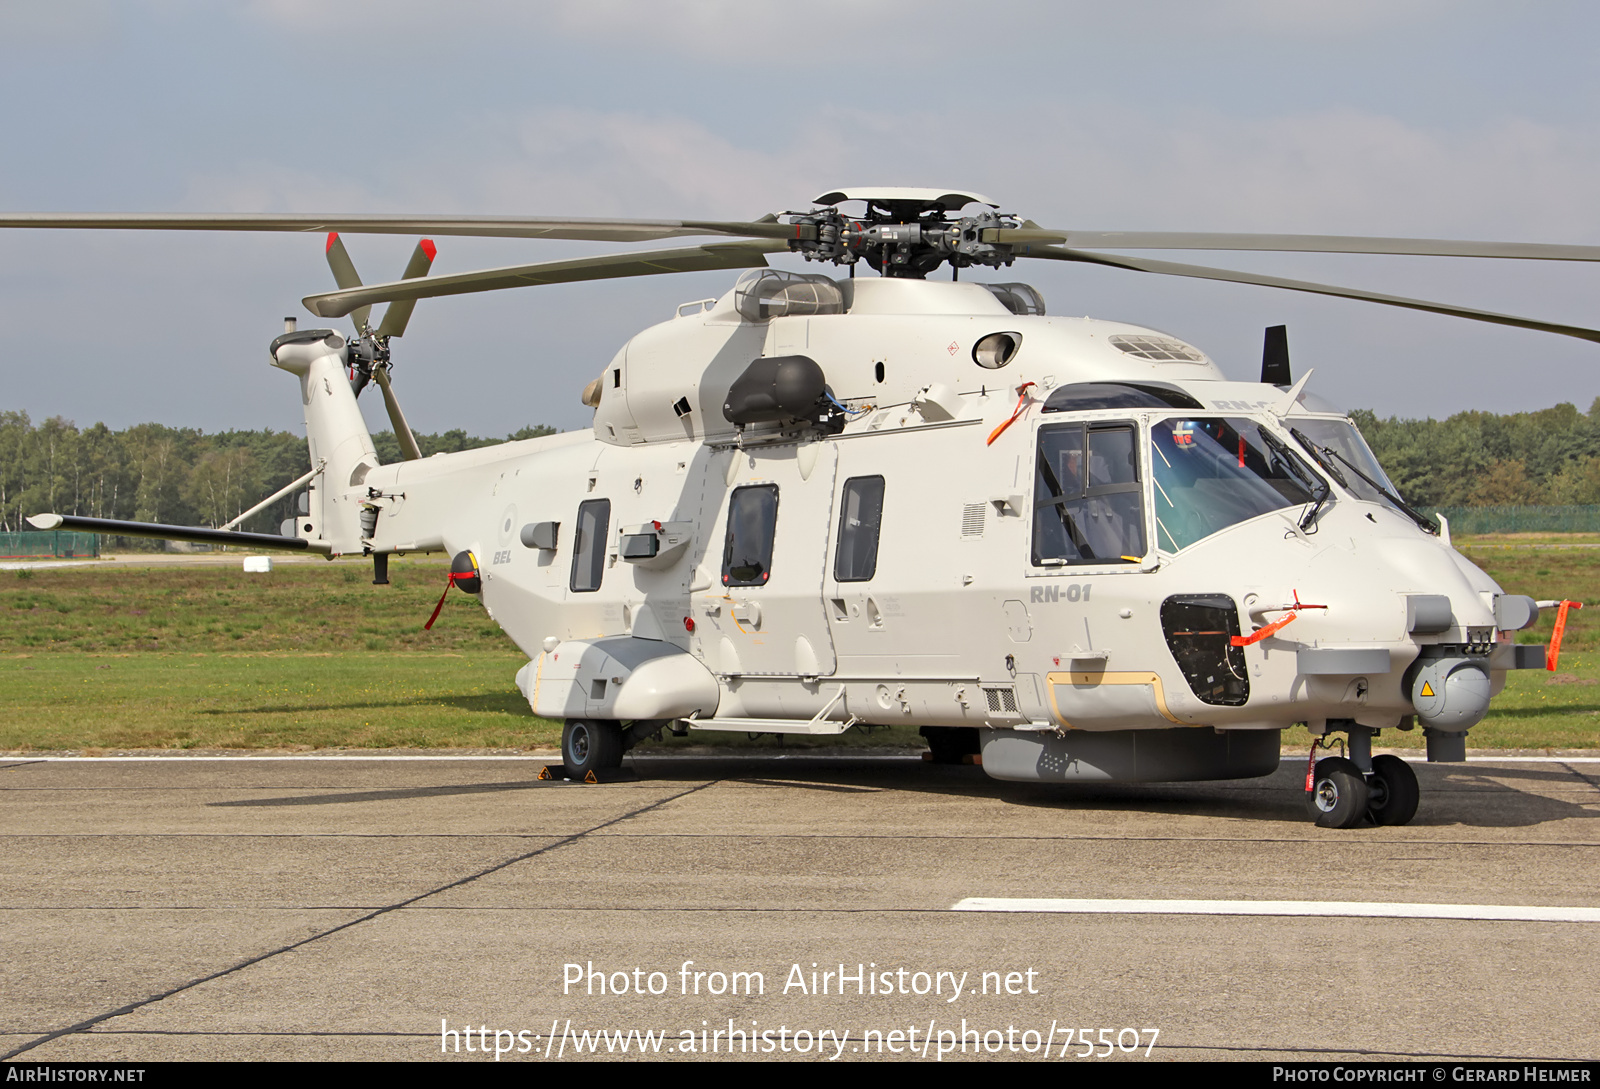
[[198, 534]]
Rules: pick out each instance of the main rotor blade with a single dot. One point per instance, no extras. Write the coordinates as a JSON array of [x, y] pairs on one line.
[[1296, 243], [646, 230], [587, 230], [717, 255], [399, 313], [397, 419], [345, 275], [1169, 268]]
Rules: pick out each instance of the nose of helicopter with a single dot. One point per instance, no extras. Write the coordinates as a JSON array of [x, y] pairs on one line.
[[1364, 621], [1407, 588], [1444, 608]]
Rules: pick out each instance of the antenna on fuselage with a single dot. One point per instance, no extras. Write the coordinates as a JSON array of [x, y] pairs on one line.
[[1275, 356]]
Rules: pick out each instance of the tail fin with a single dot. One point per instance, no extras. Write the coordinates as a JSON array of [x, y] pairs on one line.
[[337, 435]]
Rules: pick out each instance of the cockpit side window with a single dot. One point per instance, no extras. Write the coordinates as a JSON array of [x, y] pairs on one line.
[[1086, 495], [752, 525]]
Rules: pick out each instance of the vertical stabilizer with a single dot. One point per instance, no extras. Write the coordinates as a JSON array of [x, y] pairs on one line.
[[337, 435]]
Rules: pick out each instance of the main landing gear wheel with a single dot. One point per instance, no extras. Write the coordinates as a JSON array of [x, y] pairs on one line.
[[588, 745], [1339, 794], [1393, 791]]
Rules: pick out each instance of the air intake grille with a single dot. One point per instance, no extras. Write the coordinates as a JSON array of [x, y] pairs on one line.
[[1001, 700], [972, 519], [1159, 349]]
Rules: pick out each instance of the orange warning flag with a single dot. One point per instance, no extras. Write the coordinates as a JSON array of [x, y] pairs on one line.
[[1552, 653]]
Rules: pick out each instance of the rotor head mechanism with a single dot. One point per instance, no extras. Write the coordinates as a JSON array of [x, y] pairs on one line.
[[904, 232]]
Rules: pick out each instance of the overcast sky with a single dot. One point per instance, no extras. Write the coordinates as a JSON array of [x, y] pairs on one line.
[[1453, 120]]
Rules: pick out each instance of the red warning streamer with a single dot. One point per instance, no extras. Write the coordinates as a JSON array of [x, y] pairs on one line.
[[455, 577], [1552, 653], [1022, 403], [1311, 762], [1261, 633]]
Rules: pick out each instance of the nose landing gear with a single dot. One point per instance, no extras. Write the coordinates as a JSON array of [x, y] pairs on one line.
[[1393, 791], [1341, 793]]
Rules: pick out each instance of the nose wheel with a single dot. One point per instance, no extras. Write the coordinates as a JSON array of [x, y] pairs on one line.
[[1393, 791], [1341, 796]]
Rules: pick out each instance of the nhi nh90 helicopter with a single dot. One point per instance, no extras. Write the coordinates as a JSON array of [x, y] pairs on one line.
[[1071, 546]]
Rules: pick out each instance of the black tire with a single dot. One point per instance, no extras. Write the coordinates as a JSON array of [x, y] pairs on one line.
[[589, 745], [1338, 795], [1393, 791]]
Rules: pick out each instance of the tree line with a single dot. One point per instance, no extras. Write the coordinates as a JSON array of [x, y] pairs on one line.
[[175, 475], [1485, 459], [183, 476]]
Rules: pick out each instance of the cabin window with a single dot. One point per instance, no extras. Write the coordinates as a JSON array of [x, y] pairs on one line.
[[860, 516], [752, 522], [1214, 473], [1086, 496], [589, 545]]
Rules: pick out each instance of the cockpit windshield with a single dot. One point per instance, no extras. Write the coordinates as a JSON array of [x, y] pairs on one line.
[[1212, 473], [1342, 438], [1339, 448]]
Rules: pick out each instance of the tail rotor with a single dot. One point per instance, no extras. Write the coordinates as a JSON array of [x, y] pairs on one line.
[[367, 357]]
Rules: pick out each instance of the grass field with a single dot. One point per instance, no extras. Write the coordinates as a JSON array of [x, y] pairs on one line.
[[311, 656]]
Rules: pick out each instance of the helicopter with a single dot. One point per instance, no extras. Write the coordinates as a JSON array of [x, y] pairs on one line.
[[1066, 549]]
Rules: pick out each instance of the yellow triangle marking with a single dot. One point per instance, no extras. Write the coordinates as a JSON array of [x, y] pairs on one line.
[[1427, 689]]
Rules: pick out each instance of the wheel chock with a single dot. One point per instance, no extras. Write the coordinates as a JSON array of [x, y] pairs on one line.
[[604, 775]]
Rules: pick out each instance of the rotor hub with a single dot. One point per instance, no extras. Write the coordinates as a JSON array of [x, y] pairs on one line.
[[907, 234], [362, 356]]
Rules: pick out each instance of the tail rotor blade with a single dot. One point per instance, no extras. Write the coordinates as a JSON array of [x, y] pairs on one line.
[[421, 260], [402, 430], [345, 275], [399, 313]]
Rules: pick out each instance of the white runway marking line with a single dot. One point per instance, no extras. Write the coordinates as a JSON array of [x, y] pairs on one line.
[[1318, 908]]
